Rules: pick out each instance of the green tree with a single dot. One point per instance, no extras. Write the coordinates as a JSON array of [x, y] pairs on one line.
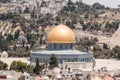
[[96, 15], [33, 14], [53, 62], [105, 46], [96, 48], [4, 45], [116, 49], [16, 35], [27, 47], [98, 6], [18, 66], [86, 16], [85, 27], [14, 47], [22, 78], [95, 40], [26, 10], [3, 66], [9, 38], [30, 69], [37, 67], [4, 1]]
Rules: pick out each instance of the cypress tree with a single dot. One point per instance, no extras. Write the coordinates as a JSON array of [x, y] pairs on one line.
[[53, 61], [37, 67]]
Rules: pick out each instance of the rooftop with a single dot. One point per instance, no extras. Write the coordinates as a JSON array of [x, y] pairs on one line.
[[66, 52]]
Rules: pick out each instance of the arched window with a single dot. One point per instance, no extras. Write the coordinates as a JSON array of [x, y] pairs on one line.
[[60, 46], [65, 46], [71, 46], [54, 46]]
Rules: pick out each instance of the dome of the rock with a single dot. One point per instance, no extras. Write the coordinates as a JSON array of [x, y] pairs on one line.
[[61, 34]]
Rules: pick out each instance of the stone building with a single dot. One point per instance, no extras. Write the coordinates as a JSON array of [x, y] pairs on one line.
[[61, 41]]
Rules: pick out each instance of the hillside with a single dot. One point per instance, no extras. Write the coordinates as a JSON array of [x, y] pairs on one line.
[[6, 28], [111, 41]]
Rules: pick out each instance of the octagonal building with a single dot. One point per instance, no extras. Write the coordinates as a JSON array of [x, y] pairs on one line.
[[61, 41]]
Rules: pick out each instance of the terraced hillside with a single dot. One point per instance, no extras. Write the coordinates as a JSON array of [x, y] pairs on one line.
[[6, 28]]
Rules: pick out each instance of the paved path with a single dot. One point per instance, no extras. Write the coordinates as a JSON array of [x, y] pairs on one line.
[[110, 64]]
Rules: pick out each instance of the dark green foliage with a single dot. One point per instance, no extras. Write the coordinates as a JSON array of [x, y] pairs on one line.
[[31, 38], [22, 78], [97, 48], [38, 68], [32, 14], [16, 34], [14, 47], [86, 16], [70, 2], [98, 6], [4, 1], [53, 62], [96, 15], [85, 27], [9, 38], [3, 43], [106, 52], [46, 20], [105, 46], [113, 26], [70, 24], [30, 69], [21, 52], [27, 48], [87, 42], [116, 49], [26, 10], [18, 66], [15, 18], [3, 66]]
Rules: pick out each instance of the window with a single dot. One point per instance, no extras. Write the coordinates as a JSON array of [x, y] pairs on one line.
[[54, 46], [65, 46], [75, 59], [71, 46], [60, 46], [61, 61], [50, 46], [83, 60]]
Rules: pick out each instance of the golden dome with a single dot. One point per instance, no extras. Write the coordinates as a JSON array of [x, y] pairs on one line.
[[61, 34]]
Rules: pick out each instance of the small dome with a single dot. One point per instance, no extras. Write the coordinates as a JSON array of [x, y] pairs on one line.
[[61, 34]]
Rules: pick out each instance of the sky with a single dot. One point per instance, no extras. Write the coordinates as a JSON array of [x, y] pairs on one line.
[[108, 3]]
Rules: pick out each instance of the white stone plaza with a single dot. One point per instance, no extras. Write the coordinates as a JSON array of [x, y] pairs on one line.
[[110, 64]]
